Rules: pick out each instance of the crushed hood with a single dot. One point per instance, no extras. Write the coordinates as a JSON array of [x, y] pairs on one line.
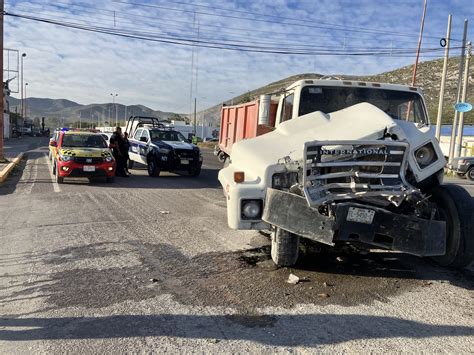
[[361, 121]]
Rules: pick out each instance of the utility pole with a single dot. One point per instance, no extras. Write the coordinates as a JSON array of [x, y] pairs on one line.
[[463, 99], [22, 97], [458, 97], [125, 115], [195, 122], [413, 80], [113, 100], [443, 80], [26, 103], [1, 66]]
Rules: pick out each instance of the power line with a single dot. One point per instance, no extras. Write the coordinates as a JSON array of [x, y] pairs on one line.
[[335, 28], [258, 44], [220, 28], [214, 45], [253, 13]]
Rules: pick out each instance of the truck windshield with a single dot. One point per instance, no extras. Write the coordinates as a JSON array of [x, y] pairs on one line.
[[84, 141], [170, 136], [397, 104]]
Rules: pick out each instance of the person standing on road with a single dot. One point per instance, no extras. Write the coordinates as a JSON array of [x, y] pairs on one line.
[[117, 146], [126, 148]]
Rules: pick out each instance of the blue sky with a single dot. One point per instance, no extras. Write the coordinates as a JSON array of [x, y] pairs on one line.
[[86, 67]]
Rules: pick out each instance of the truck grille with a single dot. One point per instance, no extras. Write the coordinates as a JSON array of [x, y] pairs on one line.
[[336, 170], [82, 160]]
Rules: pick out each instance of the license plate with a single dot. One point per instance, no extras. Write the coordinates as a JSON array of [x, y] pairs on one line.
[[184, 161], [360, 215], [89, 168]]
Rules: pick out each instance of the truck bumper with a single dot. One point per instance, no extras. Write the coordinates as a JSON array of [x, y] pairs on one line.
[[388, 230]]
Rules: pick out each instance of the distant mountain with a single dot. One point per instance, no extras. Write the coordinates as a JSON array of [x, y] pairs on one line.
[[69, 111], [428, 77]]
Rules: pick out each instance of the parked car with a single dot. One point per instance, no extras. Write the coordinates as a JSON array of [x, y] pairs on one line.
[[464, 167], [82, 154]]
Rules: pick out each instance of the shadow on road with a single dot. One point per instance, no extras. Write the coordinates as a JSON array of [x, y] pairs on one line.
[[179, 180], [243, 280], [318, 329]]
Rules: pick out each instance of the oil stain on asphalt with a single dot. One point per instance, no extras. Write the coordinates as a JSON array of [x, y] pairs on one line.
[[244, 281]]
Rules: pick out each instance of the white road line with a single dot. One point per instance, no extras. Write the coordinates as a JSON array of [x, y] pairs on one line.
[[53, 179]]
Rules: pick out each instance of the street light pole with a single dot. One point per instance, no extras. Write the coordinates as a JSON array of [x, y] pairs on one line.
[[22, 97], [26, 110], [115, 106]]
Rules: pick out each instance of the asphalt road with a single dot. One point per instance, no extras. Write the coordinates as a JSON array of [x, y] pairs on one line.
[[149, 265]]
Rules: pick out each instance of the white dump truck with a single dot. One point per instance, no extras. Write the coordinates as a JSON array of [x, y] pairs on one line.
[[343, 163]]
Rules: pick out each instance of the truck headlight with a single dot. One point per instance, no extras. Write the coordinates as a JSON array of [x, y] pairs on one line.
[[251, 209], [109, 159], [425, 156]]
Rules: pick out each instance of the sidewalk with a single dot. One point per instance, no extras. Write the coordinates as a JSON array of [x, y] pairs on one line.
[[6, 168], [14, 150]]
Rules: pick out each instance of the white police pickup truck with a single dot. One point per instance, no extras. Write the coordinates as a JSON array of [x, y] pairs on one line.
[[163, 149]]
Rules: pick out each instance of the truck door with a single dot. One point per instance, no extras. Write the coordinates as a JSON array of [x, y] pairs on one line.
[[285, 108]]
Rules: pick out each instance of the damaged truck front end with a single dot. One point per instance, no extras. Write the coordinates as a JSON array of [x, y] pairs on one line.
[[351, 192], [357, 177]]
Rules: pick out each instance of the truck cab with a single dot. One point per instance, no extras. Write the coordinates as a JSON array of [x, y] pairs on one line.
[[337, 162]]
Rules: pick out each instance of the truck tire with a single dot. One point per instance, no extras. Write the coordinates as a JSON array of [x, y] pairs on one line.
[[221, 156], [152, 167], [285, 247], [470, 173], [130, 164], [456, 207]]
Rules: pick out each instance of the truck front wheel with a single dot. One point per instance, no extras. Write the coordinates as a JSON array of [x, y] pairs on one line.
[[221, 156], [456, 208], [285, 247]]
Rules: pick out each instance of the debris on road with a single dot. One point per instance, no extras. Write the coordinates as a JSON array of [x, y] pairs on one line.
[[323, 295], [154, 280], [293, 279], [165, 212]]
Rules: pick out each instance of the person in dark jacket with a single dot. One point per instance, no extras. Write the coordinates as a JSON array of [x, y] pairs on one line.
[[126, 148], [117, 146]]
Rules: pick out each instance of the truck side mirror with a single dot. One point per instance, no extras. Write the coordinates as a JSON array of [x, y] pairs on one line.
[[264, 110], [53, 143]]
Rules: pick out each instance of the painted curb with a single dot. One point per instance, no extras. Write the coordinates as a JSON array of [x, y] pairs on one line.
[[7, 170]]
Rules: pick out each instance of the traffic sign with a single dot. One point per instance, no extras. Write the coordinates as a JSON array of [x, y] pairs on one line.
[[463, 107]]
